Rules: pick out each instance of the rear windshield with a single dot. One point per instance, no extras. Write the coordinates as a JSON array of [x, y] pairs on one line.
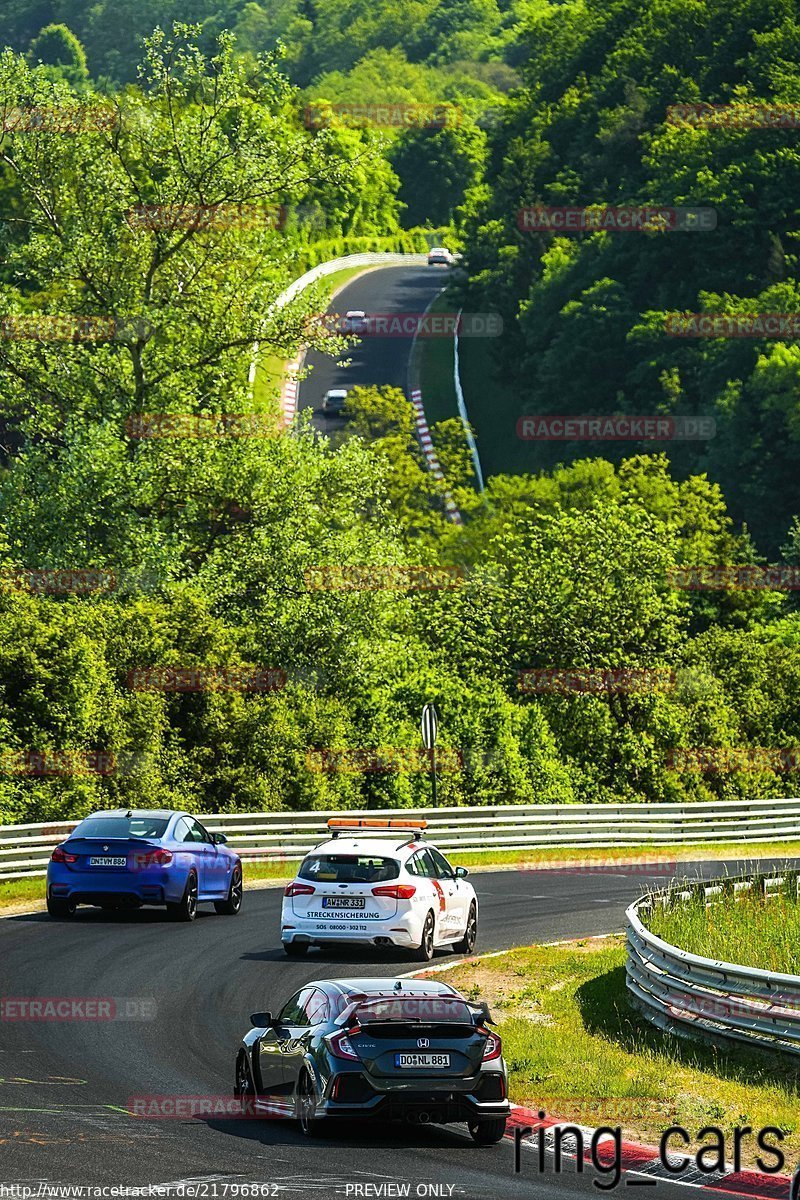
[[122, 827], [416, 1008], [349, 868]]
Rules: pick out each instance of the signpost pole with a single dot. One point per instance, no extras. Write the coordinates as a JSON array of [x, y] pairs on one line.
[[429, 727], [433, 774]]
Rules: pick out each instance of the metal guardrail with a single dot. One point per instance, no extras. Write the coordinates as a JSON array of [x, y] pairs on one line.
[[684, 993], [265, 837]]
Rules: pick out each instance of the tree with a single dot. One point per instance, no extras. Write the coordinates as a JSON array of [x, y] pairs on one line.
[[57, 47], [450, 161]]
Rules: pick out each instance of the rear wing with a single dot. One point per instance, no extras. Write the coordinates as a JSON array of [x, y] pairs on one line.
[[423, 1010]]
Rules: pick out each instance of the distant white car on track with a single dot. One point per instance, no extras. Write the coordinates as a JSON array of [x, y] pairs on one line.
[[355, 320], [438, 256], [378, 882]]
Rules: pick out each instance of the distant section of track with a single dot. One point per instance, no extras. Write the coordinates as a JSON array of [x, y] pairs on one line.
[[375, 361]]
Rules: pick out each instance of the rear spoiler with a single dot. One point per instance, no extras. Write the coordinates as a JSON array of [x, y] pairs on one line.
[[349, 1014], [481, 1009]]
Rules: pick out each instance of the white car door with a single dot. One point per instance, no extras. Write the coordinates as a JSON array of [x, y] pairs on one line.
[[453, 915]]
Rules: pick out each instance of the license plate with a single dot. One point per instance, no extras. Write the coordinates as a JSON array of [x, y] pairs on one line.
[[108, 862], [344, 901], [437, 1061]]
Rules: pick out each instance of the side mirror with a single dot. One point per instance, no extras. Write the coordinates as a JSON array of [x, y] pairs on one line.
[[461, 872], [262, 1020], [219, 839]]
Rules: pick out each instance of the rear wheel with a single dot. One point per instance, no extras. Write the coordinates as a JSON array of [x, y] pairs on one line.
[[424, 952], [186, 908], [295, 949], [60, 909], [467, 943], [310, 1124], [231, 906], [487, 1131]]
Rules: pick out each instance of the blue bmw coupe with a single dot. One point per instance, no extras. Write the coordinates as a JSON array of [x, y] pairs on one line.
[[124, 859]]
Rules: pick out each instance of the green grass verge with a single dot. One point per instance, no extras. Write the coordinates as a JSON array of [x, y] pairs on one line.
[[576, 1047], [753, 931], [435, 360], [493, 410], [635, 858]]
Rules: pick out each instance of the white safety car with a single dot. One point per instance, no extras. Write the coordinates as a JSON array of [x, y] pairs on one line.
[[378, 882]]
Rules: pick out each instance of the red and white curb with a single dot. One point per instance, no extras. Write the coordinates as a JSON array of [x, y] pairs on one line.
[[434, 466], [642, 1160]]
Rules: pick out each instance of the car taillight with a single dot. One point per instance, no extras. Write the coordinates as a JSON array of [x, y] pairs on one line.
[[61, 855], [341, 1046], [298, 889], [156, 858], [397, 891], [493, 1047]]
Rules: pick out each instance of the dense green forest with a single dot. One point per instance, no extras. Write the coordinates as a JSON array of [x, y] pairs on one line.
[[210, 542]]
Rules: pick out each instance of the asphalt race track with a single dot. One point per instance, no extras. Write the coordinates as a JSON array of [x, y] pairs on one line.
[[374, 361], [67, 1085]]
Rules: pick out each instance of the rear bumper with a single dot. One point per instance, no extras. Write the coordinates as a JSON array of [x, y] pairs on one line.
[[437, 1107], [394, 931], [439, 1101], [150, 886]]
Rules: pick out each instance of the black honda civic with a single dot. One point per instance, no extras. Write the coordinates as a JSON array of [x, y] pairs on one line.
[[405, 1049]]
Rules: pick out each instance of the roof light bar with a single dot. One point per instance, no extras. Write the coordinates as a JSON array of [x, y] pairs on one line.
[[338, 825]]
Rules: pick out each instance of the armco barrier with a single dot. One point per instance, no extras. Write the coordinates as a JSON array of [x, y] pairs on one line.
[[263, 837], [684, 993]]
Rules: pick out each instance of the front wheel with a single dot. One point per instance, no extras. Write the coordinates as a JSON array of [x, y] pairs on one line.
[[231, 906], [467, 943], [487, 1131], [62, 910], [424, 952], [186, 908], [243, 1087]]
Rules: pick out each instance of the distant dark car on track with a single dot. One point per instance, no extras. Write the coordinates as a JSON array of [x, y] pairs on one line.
[[334, 400], [406, 1049], [127, 858]]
